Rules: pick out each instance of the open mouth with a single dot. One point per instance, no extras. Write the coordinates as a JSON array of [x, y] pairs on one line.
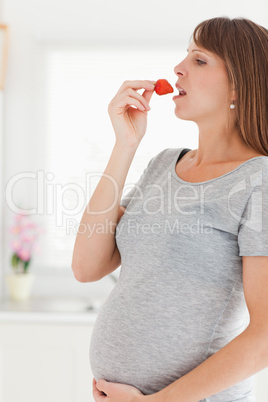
[[181, 93], [181, 90]]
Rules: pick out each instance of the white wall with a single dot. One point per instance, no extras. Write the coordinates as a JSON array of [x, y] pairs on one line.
[[2, 189], [105, 21], [102, 21]]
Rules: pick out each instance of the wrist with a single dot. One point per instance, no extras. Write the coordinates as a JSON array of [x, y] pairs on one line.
[[148, 398], [158, 396], [126, 147]]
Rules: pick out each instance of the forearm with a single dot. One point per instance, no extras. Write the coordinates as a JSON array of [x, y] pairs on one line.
[[241, 358], [95, 240]]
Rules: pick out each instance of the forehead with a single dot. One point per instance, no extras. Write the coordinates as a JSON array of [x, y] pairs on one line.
[[193, 48], [213, 58]]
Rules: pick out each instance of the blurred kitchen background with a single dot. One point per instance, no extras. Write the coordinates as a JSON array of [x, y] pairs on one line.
[[65, 62]]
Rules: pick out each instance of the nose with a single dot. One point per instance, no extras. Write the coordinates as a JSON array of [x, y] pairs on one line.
[[179, 69]]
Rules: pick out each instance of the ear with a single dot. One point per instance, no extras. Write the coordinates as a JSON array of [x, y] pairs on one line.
[[233, 94]]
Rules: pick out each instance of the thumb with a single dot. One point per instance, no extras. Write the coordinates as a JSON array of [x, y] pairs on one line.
[[148, 94], [103, 386]]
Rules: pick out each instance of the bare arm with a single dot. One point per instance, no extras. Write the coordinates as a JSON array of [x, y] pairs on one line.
[[95, 240], [95, 252]]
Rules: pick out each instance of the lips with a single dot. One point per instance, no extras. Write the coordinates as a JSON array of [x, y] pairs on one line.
[[182, 92]]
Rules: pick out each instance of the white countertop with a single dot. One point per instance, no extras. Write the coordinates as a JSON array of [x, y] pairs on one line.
[[50, 310]]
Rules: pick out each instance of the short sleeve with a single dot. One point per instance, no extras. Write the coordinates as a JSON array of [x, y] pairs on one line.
[[253, 228], [130, 194]]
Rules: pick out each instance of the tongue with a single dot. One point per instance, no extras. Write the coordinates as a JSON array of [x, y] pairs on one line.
[[182, 93]]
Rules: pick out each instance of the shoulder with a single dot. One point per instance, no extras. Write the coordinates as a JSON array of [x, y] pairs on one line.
[[163, 160], [260, 161], [257, 171], [167, 154]]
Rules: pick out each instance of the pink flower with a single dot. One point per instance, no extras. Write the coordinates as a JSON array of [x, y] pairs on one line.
[[15, 229], [30, 225], [27, 239], [18, 218], [16, 245], [24, 235], [24, 254]]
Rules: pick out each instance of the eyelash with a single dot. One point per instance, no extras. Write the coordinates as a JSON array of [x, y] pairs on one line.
[[200, 62]]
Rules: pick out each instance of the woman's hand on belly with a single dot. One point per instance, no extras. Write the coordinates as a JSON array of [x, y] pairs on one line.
[[115, 392]]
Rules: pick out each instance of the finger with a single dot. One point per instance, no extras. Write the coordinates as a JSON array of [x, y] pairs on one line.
[[103, 385], [124, 103], [133, 101], [138, 85], [97, 394], [140, 97], [147, 95]]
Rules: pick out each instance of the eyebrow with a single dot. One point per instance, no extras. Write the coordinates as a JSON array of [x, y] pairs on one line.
[[197, 50]]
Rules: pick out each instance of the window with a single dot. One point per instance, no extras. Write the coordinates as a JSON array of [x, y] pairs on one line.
[[73, 87]]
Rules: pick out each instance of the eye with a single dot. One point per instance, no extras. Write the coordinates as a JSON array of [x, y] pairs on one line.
[[200, 62]]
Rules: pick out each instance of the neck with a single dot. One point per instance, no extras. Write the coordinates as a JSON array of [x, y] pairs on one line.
[[218, 145]]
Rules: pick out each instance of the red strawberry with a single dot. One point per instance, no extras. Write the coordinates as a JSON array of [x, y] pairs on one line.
[[163, 87]]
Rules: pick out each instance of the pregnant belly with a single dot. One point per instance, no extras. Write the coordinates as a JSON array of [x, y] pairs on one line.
[[143, 340]]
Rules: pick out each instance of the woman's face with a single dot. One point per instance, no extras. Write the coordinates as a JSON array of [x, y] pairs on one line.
[[203, 76]]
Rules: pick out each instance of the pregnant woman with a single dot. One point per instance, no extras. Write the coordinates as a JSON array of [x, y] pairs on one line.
[[188, 318]]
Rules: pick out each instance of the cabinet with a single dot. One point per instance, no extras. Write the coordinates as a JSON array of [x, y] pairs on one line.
[[261, 386], [49, 361], [45, 362]]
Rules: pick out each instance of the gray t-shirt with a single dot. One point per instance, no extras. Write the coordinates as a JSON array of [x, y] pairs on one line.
[[179, 298]]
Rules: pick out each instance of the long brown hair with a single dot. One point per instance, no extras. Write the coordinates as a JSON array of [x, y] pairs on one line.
[[243, 46]]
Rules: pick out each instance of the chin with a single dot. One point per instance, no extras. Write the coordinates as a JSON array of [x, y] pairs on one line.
[[183, 116]]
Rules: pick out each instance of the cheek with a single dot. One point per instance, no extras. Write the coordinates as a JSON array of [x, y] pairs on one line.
[[213, 95], [220, 96], [212, 85], [220, 88]]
